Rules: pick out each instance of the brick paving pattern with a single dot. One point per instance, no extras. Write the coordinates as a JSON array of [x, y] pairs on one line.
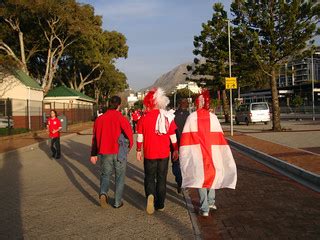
[[305, 160], [265, 205]]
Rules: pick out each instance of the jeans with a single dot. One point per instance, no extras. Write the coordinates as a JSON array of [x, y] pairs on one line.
[[177, 172], [108, 163], [155, 179], [55, 147], [207, 197]]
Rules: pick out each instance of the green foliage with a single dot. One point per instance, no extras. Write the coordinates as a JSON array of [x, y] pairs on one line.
[[212, 45], [89, 52], [297, 101], [138, 105]]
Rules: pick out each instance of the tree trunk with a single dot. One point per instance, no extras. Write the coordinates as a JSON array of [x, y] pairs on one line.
[[275, 102], [23, 55], [225, 104]]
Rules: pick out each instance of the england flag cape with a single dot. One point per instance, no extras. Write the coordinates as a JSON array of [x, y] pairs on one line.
[[206, 160]]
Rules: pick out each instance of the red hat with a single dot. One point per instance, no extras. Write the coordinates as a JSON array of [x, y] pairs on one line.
[[156, 98], [203, 100]]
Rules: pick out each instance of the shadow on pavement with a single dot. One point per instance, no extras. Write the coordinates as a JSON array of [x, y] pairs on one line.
[[10, 197]]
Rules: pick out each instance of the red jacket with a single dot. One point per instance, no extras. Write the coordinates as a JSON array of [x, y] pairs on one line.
[[53, 124], [106, 132], [155, 146]]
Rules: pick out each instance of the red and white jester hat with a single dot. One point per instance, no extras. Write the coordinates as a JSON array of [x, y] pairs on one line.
[[156, 99], [203, 100]]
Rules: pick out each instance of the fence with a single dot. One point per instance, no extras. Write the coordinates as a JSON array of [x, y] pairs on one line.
[[32, 115], [74, 112]]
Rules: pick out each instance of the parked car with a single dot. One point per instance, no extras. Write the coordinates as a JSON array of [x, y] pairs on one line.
[[4, 122], [253, 113]]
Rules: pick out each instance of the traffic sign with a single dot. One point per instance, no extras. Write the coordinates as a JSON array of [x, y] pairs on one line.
[[231, 83]]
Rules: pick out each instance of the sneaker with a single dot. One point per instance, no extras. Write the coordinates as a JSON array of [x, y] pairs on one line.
[[103, 201], [121, 205], [150, 204], [204, 214], [160, 209], [213, 207]]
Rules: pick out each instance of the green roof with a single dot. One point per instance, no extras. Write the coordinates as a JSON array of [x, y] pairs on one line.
[[26, 79], [64, 91]]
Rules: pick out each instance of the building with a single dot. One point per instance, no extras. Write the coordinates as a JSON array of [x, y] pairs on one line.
[[192, 86], [20, 98], [76, 106], [131, 99]]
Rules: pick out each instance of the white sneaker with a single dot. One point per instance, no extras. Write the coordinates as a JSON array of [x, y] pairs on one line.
[[150, 204], [204, 214], [213, 207]]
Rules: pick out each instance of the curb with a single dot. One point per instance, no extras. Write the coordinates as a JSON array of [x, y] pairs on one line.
[[304, 177], [192, 214], [35, 145]]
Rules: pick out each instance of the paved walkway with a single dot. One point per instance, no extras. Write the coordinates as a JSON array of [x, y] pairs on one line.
[[43, 198]]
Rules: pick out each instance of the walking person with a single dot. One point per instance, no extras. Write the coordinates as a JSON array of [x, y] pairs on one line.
[[109, 131], [54, 127], [205, 157], [155, 130], [180, 118]]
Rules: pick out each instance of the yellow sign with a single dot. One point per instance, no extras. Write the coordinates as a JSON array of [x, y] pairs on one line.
[[231, 83]]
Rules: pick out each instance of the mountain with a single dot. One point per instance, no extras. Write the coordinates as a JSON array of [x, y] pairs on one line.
[[171, 79]]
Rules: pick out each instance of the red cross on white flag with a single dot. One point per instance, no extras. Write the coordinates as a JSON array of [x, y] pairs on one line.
[[206, 160]]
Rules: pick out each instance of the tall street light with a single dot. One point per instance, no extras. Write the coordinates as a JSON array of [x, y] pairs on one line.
[[230, 75]]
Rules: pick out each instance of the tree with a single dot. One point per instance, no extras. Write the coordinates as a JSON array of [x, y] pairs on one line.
[[91, 56], [276, 32], [16, 18]]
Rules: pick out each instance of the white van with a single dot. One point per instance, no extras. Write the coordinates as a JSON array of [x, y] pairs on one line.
[[253, 113]]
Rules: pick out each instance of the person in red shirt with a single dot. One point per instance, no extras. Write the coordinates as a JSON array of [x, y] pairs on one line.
[[155, 130], [107, 131], [54, 127], [135, 116]]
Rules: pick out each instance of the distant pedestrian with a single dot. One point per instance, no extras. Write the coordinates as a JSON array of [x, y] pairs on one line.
[[111, 131], [155, 130], [180, 118], [54, 127], [135, 116], [205, 157]]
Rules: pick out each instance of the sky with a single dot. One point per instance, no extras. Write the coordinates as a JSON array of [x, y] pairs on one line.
[[159, 33]]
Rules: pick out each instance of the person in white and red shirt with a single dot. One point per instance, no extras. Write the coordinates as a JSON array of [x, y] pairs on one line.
[[54, 127], [155, 130]]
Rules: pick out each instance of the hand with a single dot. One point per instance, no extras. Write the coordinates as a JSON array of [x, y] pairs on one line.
[[175, 155], [139, 156], [93, 159]]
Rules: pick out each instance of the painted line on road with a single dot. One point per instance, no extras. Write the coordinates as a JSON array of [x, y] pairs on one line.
[[300, 175]]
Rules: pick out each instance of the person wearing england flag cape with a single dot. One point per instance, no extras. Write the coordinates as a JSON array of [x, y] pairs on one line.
[[206, 159]]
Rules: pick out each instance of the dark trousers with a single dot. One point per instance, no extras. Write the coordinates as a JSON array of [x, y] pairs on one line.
[[155, 179], [134, 125], [55, 147], [177, 172]]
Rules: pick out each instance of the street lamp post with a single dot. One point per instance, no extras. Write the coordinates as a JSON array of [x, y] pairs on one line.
[[230, 75]]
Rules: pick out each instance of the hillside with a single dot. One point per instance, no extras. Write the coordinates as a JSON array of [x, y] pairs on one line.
[[169, 80]]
